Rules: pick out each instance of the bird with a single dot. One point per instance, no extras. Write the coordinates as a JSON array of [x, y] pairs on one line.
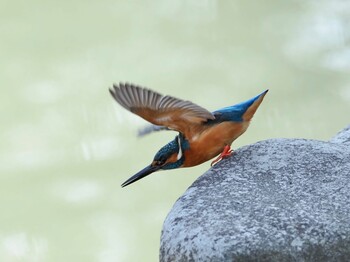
[[202, 135]]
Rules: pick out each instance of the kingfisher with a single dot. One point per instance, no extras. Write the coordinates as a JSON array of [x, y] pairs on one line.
[[202, 135]]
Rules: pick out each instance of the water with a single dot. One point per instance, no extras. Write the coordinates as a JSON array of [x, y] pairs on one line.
[[66, 146]]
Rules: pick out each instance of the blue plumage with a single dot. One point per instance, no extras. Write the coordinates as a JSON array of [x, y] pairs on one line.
[[172, 148], [233, 113]]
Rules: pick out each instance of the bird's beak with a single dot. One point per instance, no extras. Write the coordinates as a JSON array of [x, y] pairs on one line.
[[144, 172]]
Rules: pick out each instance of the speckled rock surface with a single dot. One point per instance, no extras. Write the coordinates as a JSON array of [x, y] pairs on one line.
[[276, 200]]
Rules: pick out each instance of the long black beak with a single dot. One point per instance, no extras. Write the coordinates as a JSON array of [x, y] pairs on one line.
[[144, 172]]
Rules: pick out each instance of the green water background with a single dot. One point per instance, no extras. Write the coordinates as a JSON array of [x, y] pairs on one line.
[[66, 146]]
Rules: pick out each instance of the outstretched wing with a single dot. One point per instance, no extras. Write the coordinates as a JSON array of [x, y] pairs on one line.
[[160, 110]]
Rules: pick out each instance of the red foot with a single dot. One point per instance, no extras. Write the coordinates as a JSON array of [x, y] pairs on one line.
[[225, 153]]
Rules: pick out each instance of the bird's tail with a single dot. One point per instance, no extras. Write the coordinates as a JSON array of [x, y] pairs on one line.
[[248, 115]]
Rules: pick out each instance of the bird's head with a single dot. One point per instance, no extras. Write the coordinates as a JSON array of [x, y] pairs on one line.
[[170, 156]]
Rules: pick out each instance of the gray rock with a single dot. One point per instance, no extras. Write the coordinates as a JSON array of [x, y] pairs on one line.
[[276, 200], [342, 137]]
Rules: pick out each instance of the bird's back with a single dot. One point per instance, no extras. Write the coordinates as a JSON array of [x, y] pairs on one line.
[[240, 112]]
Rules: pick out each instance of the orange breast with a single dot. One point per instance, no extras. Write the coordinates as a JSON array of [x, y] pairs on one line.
[[212, 141]]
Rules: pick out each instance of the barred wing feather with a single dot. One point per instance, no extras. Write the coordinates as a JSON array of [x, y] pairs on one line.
[[160, 110]]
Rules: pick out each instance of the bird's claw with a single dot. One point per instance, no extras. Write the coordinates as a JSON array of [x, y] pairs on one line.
[[225, 153]]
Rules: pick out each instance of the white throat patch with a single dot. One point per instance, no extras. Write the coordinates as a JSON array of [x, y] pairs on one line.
[[179, 155]]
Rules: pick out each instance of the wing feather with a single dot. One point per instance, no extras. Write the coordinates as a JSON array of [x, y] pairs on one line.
[[160, 110]]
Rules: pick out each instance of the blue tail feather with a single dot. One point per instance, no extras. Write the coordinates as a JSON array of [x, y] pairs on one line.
[[235, 112]]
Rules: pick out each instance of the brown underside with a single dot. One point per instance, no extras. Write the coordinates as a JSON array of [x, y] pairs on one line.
[[212, 141]]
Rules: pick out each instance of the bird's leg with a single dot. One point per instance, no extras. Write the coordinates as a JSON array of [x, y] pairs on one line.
[[225, 153]]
